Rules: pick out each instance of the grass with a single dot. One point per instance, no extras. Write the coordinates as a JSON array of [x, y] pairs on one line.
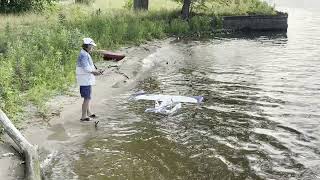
[[118, 4], [19, 20], [241, 7], [215, 7], [38, 52]]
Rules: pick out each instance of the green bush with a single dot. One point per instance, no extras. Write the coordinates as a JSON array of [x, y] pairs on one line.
[[200, 23], [37, 62], [178, 27], [240, 7], [128, 5], [9, 6], [230, 7]]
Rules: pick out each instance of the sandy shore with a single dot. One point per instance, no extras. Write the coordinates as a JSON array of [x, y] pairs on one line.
[[61, 125]]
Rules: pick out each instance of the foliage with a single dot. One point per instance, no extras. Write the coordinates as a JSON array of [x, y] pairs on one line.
[[128, 5], [241, 7], [10, 6], [178, 27], [37, 62], [231, 7], [200, 24]]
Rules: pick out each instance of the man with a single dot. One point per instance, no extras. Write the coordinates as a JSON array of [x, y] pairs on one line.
[[86, 72]]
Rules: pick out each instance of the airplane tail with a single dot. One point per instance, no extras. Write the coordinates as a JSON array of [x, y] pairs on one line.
[[198, 98], [164, 111]]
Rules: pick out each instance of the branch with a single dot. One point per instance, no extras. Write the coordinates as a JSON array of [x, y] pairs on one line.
[[30, 152]]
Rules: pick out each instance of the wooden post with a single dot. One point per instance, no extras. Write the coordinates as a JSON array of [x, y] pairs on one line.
[[30, 152]]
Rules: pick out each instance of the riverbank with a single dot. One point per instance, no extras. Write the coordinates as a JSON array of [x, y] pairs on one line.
[[37, 51], [38, 59], [62, 132]]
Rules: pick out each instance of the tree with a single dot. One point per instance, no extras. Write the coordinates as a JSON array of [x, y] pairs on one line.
[[27, 150], [186, 9], [189, 5], [140, 4]]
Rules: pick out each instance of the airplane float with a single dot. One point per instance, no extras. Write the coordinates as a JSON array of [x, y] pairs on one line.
[[167, 104]]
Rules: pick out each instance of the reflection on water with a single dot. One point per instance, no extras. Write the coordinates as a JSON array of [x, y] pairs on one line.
[[260, 118]]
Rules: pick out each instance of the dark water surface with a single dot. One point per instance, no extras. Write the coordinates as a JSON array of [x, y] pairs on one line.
[[260, 118]]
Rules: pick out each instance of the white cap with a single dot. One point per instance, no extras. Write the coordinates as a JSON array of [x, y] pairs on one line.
[[89, 41]]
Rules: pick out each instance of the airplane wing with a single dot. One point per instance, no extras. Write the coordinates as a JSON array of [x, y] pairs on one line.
[[167, 98]]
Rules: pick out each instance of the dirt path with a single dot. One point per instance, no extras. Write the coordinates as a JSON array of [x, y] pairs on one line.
[[63, 127]]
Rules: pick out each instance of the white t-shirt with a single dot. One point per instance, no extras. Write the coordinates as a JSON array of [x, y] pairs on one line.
[[84, 69]]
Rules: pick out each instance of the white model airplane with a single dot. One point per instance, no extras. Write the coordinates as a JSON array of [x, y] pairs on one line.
[[166, 104]]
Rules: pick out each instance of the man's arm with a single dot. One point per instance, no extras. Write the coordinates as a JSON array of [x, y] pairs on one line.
[[84, 63]]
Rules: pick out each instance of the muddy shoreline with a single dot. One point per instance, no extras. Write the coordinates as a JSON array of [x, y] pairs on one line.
[[60, 129]]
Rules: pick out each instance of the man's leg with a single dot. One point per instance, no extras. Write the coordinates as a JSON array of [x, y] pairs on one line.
[[85, 108], [89, 109], [89, 113]]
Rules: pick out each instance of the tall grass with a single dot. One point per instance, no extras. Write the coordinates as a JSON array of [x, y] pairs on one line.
[[36, 63], [119, 4], [17, 21]]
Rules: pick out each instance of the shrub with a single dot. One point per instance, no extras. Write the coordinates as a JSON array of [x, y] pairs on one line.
[[128, 5], [178, 27], [8, 6], [200, 24]]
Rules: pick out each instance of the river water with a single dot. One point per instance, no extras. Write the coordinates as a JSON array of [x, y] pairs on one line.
[[260, 118]]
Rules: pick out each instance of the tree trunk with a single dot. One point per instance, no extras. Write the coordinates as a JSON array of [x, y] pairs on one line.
[[186, 9], [30, 152], [141, 4], [3, 6]]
